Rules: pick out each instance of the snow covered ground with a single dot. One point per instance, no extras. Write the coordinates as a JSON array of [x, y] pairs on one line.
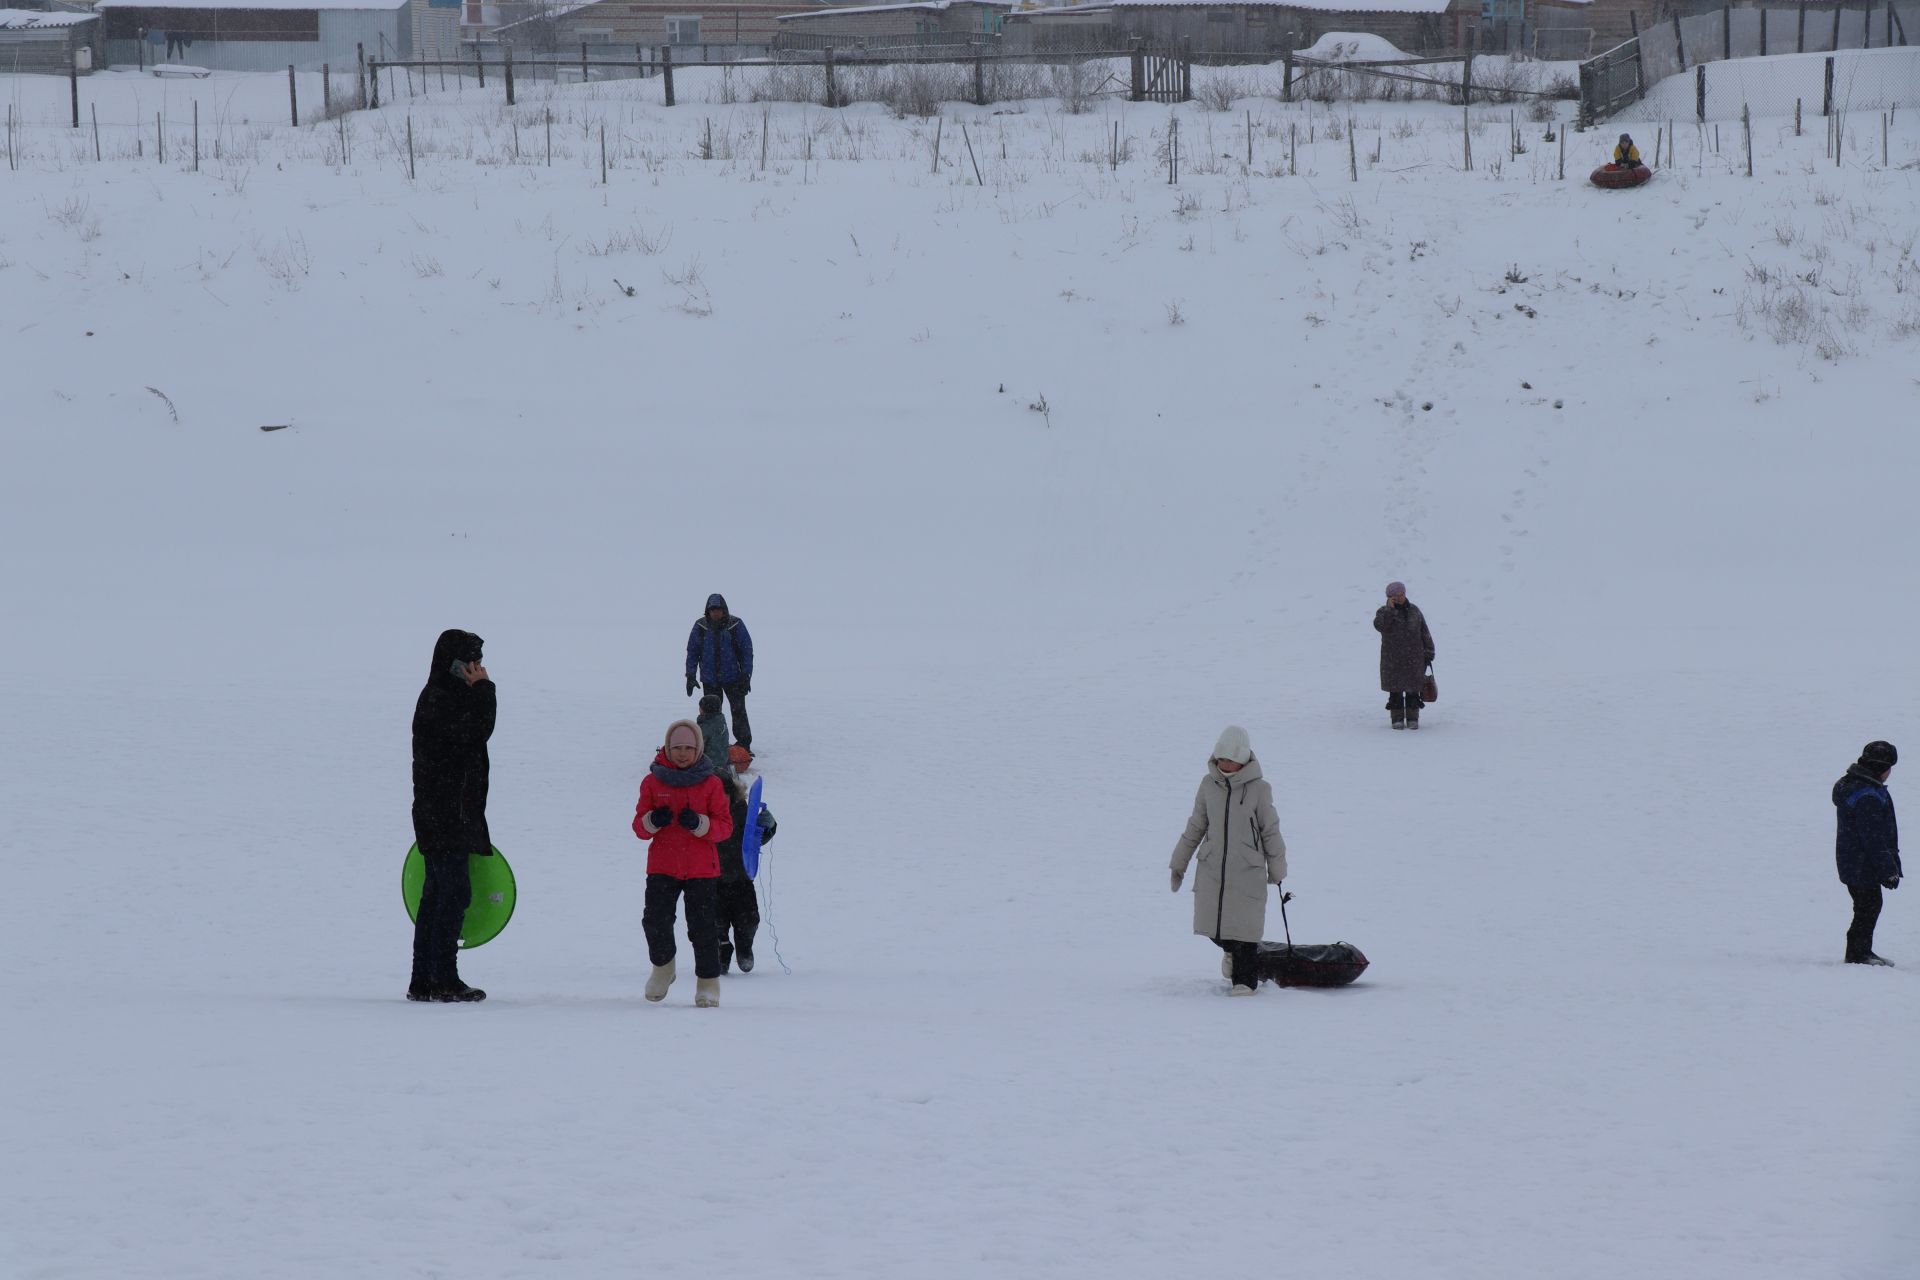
[[1645, 459]]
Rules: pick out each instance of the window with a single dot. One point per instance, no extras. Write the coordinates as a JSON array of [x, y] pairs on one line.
[[593, 35], [683, 31]]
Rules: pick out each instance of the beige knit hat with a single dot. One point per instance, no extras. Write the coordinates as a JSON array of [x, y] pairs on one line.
[[687, 733]]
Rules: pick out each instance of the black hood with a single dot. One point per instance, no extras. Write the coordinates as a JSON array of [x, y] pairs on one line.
[[452, 647], [717, 601]]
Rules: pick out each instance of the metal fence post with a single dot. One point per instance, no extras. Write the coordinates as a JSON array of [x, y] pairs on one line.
[[360, 58], [1800, 40], [666, 73], [1700, 91], [293, 96], [1679, 42], [508, 72], [1826, 90], [373, 82]]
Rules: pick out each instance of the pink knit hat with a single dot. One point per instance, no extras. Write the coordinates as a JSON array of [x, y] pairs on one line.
[[685, 733]]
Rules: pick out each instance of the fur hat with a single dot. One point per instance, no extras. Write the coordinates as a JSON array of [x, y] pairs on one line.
[[1396, 589], [1233, 745], [685, 733], [1879, 756]]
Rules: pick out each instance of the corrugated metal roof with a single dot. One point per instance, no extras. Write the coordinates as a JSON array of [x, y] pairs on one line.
[[30, 19], [234, 6]]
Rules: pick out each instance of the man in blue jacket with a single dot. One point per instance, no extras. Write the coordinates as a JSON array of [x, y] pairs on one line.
[[720, 659], [1867, 848]]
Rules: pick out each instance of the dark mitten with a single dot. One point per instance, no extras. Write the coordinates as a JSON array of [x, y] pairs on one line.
[[690, 820], [746, 686], [1892, 882], [689, 684], [660, 817]]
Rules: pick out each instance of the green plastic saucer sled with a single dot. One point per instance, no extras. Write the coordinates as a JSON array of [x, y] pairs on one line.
[[493, 894]]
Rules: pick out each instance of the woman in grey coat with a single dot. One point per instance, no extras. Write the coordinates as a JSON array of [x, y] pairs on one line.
[[1237, 834], [1406, 651]]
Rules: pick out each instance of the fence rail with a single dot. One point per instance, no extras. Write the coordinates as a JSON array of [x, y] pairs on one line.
[[1726, 32]]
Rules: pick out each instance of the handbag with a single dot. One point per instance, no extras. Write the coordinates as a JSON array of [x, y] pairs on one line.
[[1429, 687]]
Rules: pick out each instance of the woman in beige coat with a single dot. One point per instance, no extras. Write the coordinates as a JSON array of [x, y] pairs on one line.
[[1238, 835]]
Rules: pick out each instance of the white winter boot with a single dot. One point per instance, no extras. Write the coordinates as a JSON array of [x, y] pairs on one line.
[[1240, 991], [1226, 967], [659, 980], [706, 993]]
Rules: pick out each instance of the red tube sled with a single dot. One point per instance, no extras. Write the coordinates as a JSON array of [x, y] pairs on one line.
[[1614, 176], [1332, 964]]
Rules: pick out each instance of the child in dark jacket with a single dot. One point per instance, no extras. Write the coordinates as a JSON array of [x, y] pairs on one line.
[[1867, 844], [738, 908], [683, 816], [713, 731]]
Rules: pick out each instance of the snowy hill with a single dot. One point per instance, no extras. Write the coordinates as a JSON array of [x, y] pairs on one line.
[[1642, 458]]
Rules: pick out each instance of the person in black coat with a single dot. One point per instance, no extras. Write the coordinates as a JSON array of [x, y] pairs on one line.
[[1867, 844], [451, 724], [737, 906], [720, 659]]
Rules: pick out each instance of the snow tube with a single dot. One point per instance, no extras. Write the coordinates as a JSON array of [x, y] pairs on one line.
[[1332, 964], [1614, 177]]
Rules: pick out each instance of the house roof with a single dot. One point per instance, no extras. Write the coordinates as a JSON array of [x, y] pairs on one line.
[[28, 19], [1316, 6], [929, 6], [254, 6]]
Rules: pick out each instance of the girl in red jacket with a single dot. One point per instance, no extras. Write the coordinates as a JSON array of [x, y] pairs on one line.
[[683, 815]]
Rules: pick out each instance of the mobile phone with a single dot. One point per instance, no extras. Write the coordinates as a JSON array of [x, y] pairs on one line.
[[459, 669]]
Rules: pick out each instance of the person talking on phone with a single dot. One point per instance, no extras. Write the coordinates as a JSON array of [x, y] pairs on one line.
[[451, 724]]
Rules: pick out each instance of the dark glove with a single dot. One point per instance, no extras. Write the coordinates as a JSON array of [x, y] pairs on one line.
[[689, 684], [690, 820], [1892, 882], [746, 686], [660, 817]]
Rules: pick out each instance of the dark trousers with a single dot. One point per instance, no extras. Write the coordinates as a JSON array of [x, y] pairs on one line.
[[663, 899], [1246, 961], [737, 910], [1405, 704], [1866, 913], [737, 710], [444, 899]]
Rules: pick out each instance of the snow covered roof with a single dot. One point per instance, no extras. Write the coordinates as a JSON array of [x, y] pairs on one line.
[[235, 6], [1317, 6], [28, 19], [930, 6]]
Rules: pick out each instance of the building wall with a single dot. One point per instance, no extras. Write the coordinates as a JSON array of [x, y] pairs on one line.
[[621, 23], [1235, 29], [436, 27], [47, 51], [250, 40]]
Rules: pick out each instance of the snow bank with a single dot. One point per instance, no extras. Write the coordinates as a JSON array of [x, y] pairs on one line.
[[1863, 80]]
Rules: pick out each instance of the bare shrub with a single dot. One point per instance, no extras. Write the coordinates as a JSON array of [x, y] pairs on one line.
[[1074, 84], [789, 84], [1219, 91]]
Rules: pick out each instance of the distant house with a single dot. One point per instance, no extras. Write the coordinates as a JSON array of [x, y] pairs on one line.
[[52, 43], [255, 35], [921, 22], [1245, 26], [694, 27]]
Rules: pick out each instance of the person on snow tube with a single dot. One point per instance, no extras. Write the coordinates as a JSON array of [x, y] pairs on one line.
[[1625, 154]]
